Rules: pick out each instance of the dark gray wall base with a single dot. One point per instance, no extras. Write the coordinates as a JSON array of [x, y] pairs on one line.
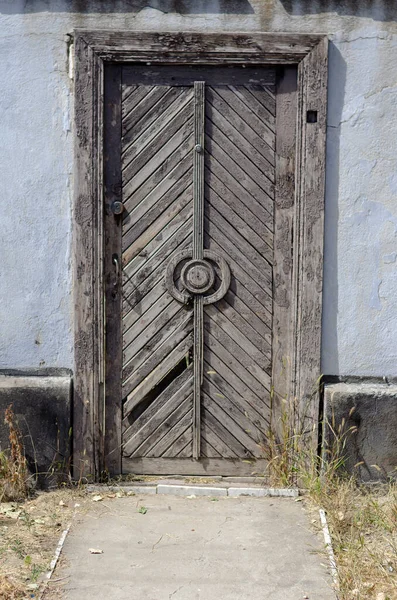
[[42, 405], [372, 409]]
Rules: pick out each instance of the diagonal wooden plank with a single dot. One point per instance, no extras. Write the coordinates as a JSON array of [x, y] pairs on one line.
[[172, 360], [207, 450], [246, 114], [242, 142], [132, 215], [248, 132], [257, 405], [245, 419], [169, 111], [178, 321], [225, 365], [127, 90], [230, 446], [146, 295], [169, 399], [132, 245], [227, 185], [242, 380], [265, 96], [256, 182], [230, 337], [146, 212], [143, 338], [252, 340], [180, 443], [249, 303], [166, 129], [163, 172], [162, 429], [149, 117], [246, 311], [244, 415], [177, 429], [132, 101], [155, 163], [259, 409], [132, 117], [264, 264], [146, 318], [263, 279], [145, 258], [176, 233], [141, 283], [187, 451], [143, 368], [233, 216], [251, 447], [158, 221], [217, 191], [242, 276], [265, 113], [143, 305], [236, 176]]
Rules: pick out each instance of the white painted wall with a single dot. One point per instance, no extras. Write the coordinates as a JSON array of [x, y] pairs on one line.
[[36, 132]]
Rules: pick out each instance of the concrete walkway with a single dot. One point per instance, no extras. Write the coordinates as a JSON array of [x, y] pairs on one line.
[[194, 549]]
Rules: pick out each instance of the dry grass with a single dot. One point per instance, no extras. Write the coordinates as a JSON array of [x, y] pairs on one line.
[[362, 519], [10, 589], [363, 526], [14, 474]]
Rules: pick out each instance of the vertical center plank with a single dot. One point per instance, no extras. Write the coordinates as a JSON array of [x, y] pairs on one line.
[[198, 248]]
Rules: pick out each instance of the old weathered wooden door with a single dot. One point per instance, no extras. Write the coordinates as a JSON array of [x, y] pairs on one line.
[[191, 264]]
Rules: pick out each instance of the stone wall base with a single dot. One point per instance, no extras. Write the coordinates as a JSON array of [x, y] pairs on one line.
[[42, 405], [365, 414], [370, 409]]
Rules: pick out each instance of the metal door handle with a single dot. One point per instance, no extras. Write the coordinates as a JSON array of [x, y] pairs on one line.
[[115, 261]]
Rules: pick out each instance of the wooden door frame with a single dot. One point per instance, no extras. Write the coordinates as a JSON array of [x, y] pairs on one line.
[[96, 433]]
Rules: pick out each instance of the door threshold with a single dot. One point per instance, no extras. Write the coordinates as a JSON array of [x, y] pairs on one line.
[[191, 488]]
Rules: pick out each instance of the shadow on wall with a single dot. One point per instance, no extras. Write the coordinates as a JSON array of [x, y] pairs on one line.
[[182, 7], [336, 94], [383, 10]]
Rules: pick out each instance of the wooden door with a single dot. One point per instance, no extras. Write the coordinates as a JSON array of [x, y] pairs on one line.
[[194, 274]]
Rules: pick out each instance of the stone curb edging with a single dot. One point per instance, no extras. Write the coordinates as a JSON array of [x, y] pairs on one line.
[[329, 549], [197, 490]]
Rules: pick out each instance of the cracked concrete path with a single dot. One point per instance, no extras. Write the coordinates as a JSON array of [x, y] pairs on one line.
[[194, 549]]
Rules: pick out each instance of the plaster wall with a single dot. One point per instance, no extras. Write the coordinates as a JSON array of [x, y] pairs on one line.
[[36, 160]]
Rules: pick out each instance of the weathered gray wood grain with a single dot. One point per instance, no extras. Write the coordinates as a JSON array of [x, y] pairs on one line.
[[283, 308], [93, 49], [156, 436], [196, 48], [165, 403], [188, 466], [309, 228]]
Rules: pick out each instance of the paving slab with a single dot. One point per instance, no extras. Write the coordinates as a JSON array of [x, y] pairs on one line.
[[196, 548]]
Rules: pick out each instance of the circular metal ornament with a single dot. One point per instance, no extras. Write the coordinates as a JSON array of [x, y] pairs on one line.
[[197, 276]]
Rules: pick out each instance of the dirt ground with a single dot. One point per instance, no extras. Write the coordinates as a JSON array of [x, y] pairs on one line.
[[29, 534]]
